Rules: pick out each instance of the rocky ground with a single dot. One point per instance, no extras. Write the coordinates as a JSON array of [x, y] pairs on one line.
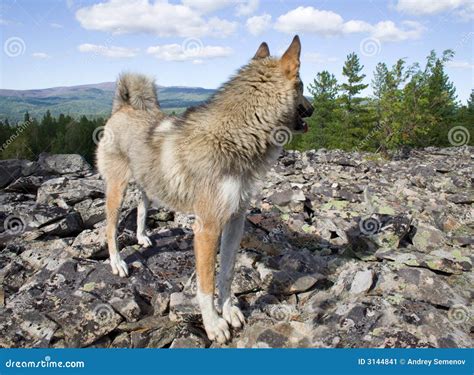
[[341, 250]]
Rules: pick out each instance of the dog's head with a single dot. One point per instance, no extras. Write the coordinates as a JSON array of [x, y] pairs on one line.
[[289, 64]]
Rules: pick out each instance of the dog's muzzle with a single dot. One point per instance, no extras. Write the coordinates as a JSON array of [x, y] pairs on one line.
[[303, 112]]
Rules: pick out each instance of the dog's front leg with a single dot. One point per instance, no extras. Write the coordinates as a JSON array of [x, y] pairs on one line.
[[206, 238], [142, 209], [230, 242]]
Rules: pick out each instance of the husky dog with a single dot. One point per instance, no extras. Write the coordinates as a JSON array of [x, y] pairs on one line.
[[206, 162]]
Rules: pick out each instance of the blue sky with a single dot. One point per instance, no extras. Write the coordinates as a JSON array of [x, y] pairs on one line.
[[202, 42]]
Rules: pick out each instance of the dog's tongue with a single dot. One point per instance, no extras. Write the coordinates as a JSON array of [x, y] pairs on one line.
[[305, 127]]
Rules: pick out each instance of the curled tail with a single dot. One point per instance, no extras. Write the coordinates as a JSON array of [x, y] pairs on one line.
[[137, 91]]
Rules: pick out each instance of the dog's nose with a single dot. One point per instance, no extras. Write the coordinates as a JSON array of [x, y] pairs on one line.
[[305, 111]]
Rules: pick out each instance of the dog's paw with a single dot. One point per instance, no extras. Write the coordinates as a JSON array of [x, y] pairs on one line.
[[233, 315], [217, 329], [143, 240], [119, 267]]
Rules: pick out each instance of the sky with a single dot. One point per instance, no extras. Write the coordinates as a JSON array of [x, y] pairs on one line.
[[202, 43]]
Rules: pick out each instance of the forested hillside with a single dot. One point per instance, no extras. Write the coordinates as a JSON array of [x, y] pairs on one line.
[[414, 106], [87, 100]]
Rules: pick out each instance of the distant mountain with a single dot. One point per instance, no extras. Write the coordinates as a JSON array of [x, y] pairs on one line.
[[92, 100]]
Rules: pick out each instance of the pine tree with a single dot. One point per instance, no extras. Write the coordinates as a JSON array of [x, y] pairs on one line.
[[324, 90], [26, 117], [392, 116], [429, 103], [357, 119], [465, 117], [326, 113], [470, 101], [6, 132], [352, 70], [379, 81], [379, 85]]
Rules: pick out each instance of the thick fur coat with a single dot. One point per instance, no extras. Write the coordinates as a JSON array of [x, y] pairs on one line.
[[206, 162]]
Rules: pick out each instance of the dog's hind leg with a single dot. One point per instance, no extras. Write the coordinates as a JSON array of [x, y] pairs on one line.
[[116, 186], [230, 242], [142, 209], [206, 239]]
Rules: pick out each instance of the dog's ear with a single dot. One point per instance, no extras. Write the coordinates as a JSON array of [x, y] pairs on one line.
[[262, 52], [290, 61]]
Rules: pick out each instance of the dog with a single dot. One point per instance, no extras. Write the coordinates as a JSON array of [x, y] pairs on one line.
[[206, 162]]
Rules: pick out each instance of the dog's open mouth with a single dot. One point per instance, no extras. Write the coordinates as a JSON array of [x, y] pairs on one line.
[[301, 125]]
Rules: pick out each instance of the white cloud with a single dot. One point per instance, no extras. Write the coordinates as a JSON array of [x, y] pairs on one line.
[[387, 31], [243, 7], [258, 24], [107, 51], [56, 25], [40, 55], [461, 64], [317, 58], [309, 19], [195, 53], [160, 18], [327, 23], [7, 22], [247, 7], [356, 26], [429, 7], [466, 13], [208, 6]]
